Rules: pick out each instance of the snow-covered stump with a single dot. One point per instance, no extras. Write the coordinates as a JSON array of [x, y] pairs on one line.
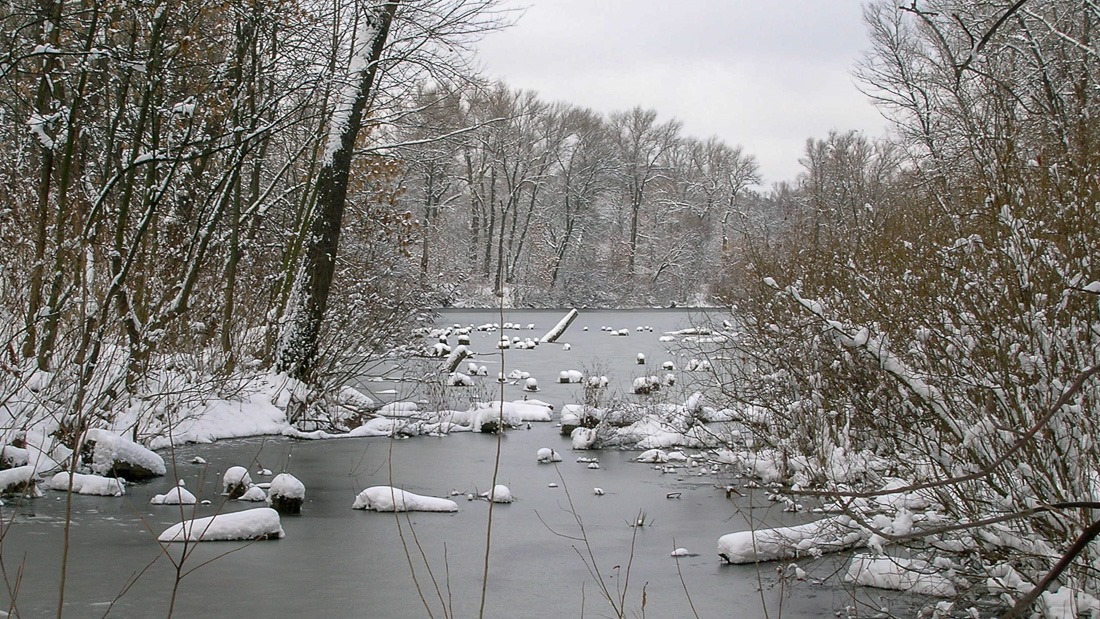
[[236, 482], [261, 523], [286, 494], [782, 543], [109, 454], [553, 334]]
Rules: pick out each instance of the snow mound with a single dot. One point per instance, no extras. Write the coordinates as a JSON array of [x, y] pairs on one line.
[[251, 524], [254, 494], [898, 574], [95, 485], [813, 538], [390, 499], [176, 496]]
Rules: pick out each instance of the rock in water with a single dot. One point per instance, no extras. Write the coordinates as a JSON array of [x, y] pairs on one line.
[[109, 455]]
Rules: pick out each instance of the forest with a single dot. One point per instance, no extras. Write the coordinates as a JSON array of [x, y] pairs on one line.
[[929, 293]]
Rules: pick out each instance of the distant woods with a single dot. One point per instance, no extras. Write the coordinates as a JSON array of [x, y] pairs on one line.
[[550, 204]]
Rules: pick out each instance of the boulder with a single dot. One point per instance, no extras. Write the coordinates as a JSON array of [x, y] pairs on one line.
[[111, 455]]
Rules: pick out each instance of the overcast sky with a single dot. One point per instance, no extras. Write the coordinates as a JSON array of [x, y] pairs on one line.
[[765, 74]]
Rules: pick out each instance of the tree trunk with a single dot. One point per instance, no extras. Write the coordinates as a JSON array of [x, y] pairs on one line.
[[298, 340]]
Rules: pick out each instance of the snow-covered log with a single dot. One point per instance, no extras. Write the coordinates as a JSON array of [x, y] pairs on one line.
[[782, 543], [251, 524], [95, 485], [553, 334], [898, 574], [390, 499]]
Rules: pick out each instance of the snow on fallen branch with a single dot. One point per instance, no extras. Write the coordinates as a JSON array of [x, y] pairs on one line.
[[553, 334]]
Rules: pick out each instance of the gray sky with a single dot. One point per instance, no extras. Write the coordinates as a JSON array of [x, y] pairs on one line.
[[766, 74]]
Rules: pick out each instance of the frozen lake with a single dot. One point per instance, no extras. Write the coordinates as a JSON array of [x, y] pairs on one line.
[[339, 562]]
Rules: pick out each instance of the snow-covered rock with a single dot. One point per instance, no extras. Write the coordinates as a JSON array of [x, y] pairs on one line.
[[546, 455], [583, 438], [105, 453], [18, 480], [500, 494], [261, 523], [12, 456], [810, 539], [95, 485], [390, 499], [570, 376]]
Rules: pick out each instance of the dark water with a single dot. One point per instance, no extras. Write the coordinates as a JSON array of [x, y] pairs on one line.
[[339, 562]]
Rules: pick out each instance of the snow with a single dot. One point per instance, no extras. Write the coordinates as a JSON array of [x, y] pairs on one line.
[[898, 574], [810, 539], [176, 496], [111, 448], [390, 499], [260, 411], [288, 486], [95, 485], [250, 524], [357, 68]]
